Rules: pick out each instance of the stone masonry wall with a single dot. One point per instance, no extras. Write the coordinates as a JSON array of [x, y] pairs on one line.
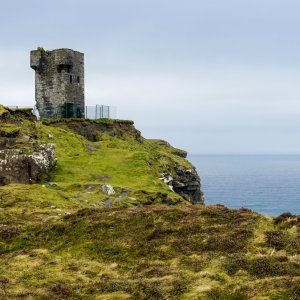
[[59, 82]]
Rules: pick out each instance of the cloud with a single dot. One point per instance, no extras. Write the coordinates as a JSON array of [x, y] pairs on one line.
[[211, 76]]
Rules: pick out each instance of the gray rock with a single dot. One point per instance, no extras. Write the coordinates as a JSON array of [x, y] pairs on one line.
[[19, 167], [108, 189], [187, 184]]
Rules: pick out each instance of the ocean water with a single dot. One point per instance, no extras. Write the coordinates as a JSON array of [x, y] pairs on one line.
[[269, 184]]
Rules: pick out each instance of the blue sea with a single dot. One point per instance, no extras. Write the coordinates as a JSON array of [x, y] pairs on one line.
[[269, 184]]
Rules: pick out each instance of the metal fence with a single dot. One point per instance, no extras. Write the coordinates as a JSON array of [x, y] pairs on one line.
[[90, 112], [100, 112]]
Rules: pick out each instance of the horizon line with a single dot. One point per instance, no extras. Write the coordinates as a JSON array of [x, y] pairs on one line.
[[243, 153]]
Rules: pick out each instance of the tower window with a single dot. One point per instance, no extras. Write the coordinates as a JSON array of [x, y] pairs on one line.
[[64, 68], [71, 79], [78, 79]]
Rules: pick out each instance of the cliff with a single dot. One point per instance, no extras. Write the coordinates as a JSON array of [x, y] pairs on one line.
[[94, 153], [112, 215]]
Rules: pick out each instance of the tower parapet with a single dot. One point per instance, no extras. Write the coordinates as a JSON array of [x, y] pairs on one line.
[[59, 82]]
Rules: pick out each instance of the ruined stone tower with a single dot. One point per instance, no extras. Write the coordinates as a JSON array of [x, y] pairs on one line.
[[59, 82]]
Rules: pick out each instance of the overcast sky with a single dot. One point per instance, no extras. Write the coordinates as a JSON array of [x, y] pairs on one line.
[[209, 76]]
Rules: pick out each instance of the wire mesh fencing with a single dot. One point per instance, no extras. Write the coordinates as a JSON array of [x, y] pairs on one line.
[[72, 111], [100, 112]]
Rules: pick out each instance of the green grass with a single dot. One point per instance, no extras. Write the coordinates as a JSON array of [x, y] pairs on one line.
[[8, 130], [3, 110], [69, 240], [128, 163], [154, 252]]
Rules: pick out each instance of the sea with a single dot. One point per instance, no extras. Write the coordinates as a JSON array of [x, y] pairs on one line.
[[268, 184]]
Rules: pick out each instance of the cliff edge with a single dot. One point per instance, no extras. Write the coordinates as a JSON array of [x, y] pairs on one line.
[[94, 154]]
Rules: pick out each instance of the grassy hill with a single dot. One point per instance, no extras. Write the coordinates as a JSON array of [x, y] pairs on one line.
[[67, 237]]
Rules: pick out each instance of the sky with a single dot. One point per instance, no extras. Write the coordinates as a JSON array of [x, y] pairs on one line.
[[209, 76]]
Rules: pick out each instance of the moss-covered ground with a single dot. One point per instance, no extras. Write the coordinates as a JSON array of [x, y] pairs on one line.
[[66, 239], [149, 252]]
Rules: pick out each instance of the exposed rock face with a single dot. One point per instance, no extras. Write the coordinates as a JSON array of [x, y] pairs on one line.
[[186, 183], [23, 159], [17, 167], [95, 131]]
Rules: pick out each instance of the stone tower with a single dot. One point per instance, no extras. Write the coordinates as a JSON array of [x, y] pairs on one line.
[[59, 82]]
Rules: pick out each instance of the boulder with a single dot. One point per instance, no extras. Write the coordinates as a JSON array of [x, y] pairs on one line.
[[108, 189], [19, 167]]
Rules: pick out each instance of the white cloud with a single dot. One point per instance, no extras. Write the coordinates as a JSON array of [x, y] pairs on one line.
[[211, 76]]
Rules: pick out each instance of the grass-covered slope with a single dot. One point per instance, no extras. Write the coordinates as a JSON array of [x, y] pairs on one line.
[[68, 239], [152, 252], [117, 156]]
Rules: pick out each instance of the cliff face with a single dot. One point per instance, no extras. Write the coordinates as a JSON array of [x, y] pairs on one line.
[[96, 131], [187, 184]]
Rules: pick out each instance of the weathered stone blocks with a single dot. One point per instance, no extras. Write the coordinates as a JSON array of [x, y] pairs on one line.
[[59, 82]]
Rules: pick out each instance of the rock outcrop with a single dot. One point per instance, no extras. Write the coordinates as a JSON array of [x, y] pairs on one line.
[[186, 183], [23, 159], [19, 167]]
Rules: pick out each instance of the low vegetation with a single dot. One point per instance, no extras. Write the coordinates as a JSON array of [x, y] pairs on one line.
[[147, 252], [68, 239]]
